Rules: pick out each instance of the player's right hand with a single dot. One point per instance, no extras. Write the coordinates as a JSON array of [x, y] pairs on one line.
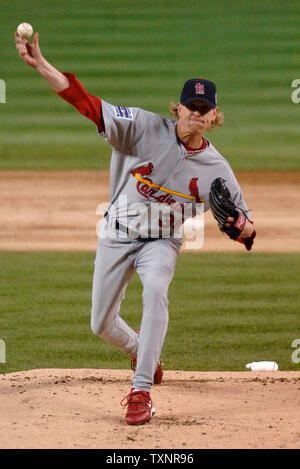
[[29, 52]]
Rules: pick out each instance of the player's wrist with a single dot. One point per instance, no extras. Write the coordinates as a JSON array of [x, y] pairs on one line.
[[42, 66], [57, 80], [248, 229]]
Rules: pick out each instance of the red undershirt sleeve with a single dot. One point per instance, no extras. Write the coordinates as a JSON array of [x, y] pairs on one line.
[[87, 104]]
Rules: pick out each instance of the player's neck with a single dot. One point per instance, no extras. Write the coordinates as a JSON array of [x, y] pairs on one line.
[[189, 139]]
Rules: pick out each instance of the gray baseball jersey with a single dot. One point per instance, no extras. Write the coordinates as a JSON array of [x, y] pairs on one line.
[[146, 144]]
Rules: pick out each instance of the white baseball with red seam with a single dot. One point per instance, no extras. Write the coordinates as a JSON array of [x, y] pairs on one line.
[[25, 30]]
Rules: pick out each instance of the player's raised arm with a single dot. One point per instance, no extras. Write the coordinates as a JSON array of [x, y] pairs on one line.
[[64, 84], [30, 53]]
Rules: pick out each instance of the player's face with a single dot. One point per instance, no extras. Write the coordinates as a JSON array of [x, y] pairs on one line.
[[197, 116]]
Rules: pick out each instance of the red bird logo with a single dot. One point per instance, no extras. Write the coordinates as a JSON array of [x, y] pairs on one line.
[[143, 170], [193, 187]]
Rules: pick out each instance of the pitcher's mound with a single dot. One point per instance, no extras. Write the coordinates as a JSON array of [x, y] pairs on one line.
[[79, 408]]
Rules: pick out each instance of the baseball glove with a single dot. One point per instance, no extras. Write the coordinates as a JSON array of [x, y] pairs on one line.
[[223, 207]]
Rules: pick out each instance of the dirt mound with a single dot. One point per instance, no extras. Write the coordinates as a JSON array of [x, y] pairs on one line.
[[79, 408]]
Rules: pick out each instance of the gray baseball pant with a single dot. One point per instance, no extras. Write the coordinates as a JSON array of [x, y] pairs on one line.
[[116, 261]]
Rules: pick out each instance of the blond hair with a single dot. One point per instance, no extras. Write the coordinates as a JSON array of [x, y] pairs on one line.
[[219, 120]]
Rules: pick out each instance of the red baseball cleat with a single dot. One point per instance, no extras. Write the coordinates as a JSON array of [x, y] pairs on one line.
[[140, 407]]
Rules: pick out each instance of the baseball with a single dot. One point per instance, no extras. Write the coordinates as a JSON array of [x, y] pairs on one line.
[[25, 30]]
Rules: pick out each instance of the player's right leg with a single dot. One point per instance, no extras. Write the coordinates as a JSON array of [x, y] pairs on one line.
[[114, 267]]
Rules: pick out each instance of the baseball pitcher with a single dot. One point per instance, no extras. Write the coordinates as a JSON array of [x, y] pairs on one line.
[[161, 171]]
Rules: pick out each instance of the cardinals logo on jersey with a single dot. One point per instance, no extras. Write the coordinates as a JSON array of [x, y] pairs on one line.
[[143, 170], [194, 191]]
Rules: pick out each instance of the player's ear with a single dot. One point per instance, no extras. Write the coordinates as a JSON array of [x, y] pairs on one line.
[[216, 111], [179, 109]]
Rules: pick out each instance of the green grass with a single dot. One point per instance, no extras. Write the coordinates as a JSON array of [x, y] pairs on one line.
[[225, 311], [139, 53]]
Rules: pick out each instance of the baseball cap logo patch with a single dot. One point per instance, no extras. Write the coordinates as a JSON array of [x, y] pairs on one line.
[[199, 88]]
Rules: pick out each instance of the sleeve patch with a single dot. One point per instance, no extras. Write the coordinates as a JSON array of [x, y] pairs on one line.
[[123, 113]]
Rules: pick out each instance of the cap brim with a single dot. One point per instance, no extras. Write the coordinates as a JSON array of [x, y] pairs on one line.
[[188, 101]]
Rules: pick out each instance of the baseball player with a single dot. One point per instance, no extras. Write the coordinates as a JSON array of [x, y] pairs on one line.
[[156, 162]]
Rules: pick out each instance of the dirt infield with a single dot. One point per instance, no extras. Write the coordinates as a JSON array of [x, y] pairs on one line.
[[57, 211], [194, 410]]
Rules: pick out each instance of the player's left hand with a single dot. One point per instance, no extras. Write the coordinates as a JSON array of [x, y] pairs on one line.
[[231, 219], [248, 228], [248, 234]]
